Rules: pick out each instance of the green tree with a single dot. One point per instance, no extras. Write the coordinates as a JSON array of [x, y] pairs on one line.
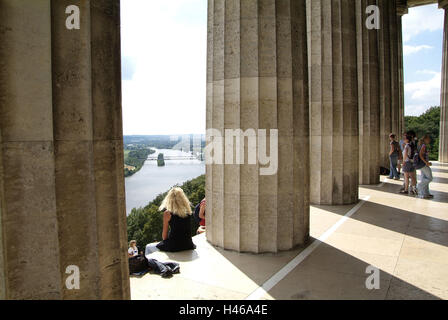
[[136, 158], [427, 123], [160, 160], [145, 224]]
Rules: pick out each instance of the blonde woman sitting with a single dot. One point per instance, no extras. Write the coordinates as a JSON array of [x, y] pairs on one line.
[[176, 233]]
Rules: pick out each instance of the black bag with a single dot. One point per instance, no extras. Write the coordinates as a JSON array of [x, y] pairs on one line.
[[418, 163], [384, 171], [138, 264], [197, 209]]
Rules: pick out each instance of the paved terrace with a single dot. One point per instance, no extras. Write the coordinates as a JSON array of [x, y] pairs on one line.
[[406, 238]]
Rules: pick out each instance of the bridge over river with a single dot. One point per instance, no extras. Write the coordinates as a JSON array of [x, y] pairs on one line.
[[167, 158]]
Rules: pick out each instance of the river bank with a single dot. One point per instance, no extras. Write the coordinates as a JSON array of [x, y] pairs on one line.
[[151, 180]]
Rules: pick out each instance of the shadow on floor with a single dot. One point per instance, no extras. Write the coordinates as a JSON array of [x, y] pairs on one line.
[[393, 188], [405, 222], [440, 169], [183, 256], [329, 273]]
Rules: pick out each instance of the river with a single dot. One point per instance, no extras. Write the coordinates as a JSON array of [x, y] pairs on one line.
[[151, 180]]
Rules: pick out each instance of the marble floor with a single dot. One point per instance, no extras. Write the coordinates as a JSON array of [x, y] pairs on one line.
[[396, 243]]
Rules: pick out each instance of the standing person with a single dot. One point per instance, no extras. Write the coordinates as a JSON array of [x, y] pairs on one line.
[[176, 232], [401, 164], [426, 172], [402, 143], [393, 157], [413, 175], [400, 156], [408, 167]]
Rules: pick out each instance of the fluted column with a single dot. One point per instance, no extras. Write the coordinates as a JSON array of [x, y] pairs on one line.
[[368, 97], [2, 253], [390, 85], [395, 71], [402, 9], [443, 146], [384, 45], [334, 102], [257, 79], [63, 186]]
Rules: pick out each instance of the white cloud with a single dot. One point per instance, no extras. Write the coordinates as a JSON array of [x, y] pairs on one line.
[[408, 50], [166, 92], [417, 21], [421, 95]]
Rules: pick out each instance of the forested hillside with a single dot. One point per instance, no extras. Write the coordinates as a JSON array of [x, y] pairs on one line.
[[427, 123], [145, 224]]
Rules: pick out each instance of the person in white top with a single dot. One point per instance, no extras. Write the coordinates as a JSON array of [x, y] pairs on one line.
[[133, 250], [408, 168]]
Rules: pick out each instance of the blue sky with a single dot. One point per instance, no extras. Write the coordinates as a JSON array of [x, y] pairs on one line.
[[422, 37], [164, 53], [164, 46]]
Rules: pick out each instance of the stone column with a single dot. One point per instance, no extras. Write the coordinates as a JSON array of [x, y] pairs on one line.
[[334, 102], [395, 69], [63, 185], [368, 97], [390, 86], [257, 79], [443, 146], [402, 9], [384, 45], [2, 254]]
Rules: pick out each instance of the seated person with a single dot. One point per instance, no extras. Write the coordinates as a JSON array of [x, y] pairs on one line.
[[201, 228], [133, 250], [176, 233]]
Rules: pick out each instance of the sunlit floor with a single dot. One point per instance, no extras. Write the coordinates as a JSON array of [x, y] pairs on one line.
[[404, 237]]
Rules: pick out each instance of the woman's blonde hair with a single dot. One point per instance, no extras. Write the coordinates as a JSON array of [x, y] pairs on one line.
[[176, 202]]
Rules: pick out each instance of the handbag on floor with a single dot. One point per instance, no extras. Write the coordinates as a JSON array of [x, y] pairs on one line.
[[138, 264]]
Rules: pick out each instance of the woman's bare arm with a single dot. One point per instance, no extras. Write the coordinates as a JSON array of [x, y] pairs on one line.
[[166, 225], [202, 211]]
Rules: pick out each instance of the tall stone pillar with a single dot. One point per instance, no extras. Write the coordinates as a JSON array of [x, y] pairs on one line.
[[62, 196], [384, 45], [390, 92], [443, 147], [395, 70], [368, 97], [402, 9], [258, 79], [334, 102], [2, 254]]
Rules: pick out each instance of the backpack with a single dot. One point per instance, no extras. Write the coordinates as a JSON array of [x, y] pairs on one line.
[[384, 171], [418, 163], [138, 264], [197, 209]]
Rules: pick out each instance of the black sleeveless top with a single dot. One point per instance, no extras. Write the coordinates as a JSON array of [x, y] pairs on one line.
[[179, 236]]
